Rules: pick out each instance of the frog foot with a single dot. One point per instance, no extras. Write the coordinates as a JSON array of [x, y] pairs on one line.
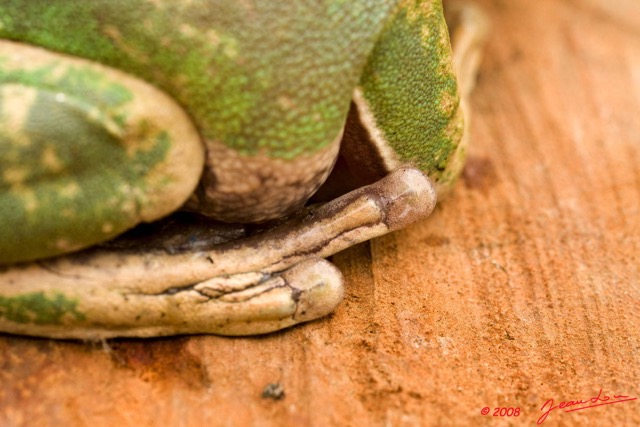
[[259, 284]]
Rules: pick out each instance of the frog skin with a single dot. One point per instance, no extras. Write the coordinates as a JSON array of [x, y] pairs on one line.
[[119, 112]]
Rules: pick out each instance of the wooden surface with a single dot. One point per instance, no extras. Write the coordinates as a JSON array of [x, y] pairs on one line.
[[523, 287]]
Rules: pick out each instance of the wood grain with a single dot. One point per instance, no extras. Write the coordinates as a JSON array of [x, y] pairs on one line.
[[524, 285]]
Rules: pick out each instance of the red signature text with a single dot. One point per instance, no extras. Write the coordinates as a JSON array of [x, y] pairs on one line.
[[577, 405]]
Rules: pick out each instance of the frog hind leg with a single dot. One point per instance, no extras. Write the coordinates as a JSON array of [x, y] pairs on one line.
[[406, 109], [262, 283], [85, 153]]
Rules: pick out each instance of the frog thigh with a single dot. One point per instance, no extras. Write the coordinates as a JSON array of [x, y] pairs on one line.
[[83, 157], [407, 98]]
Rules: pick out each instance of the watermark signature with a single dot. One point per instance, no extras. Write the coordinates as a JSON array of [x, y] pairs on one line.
[[578, 405]]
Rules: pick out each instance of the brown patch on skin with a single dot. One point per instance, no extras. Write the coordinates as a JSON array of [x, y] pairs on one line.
[[243, 189], [479, 174]]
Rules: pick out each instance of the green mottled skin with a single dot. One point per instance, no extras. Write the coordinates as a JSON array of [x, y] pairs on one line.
[[266, 77], [309, 52], [91, 165], [39, 308], [422, 131], [230, 63]]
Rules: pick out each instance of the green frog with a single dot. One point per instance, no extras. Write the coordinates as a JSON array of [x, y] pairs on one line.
[[115, 113]]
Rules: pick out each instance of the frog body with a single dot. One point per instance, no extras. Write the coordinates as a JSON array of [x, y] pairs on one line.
[[116, 112]]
